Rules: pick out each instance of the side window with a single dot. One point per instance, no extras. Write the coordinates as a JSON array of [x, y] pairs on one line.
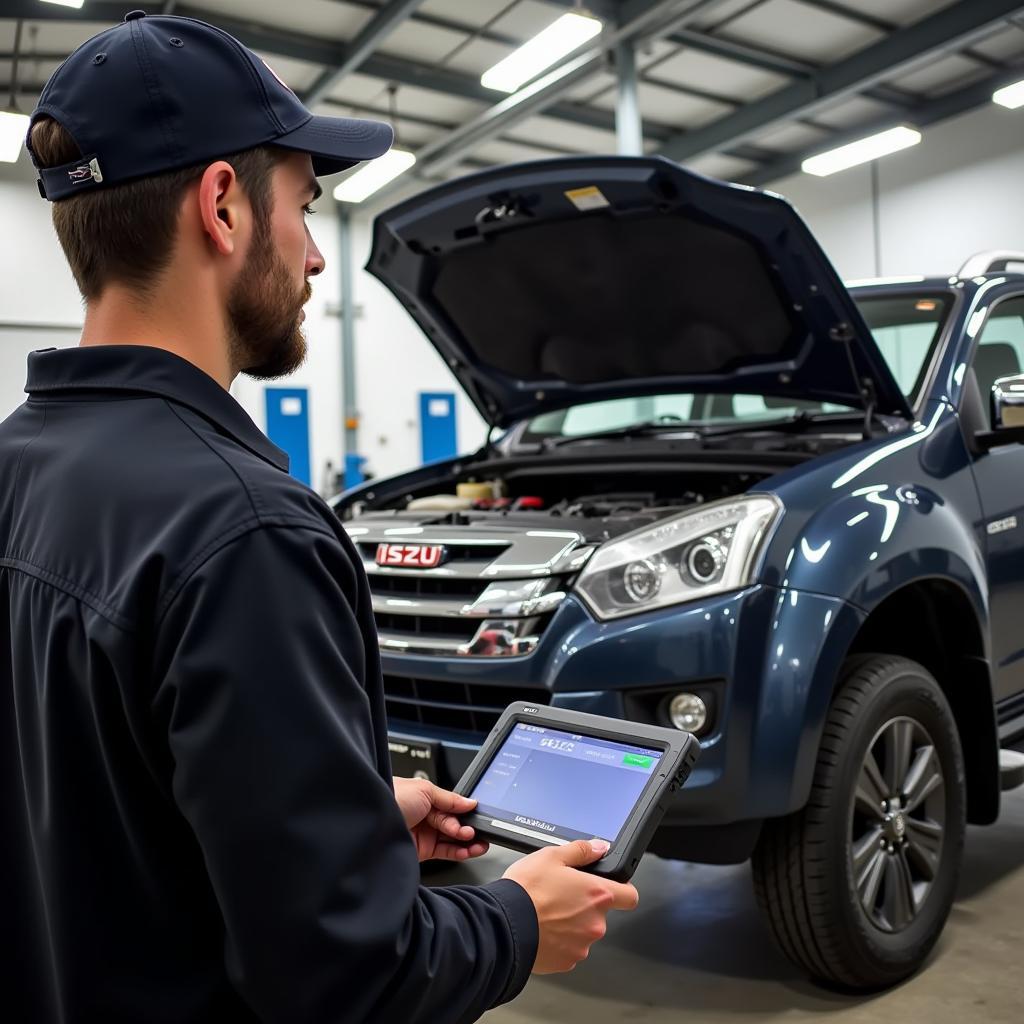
[[1000, 351]]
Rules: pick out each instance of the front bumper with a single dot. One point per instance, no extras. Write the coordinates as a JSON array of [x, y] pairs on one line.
[[772, 656]]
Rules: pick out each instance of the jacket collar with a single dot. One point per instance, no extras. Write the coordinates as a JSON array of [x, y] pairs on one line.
[[147, 370]]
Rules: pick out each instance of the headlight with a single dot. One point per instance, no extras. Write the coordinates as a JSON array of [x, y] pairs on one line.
[[705, 551]]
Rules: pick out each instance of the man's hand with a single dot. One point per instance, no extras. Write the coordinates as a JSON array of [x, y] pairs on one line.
[[430, 812], [572, 905]]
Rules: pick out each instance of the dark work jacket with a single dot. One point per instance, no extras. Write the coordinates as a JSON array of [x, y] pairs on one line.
[[197, 821]]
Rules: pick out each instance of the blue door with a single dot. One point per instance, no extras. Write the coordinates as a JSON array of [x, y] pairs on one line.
[[288, 427], [437, 425]]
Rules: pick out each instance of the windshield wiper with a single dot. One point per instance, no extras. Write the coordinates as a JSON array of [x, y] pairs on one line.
[[796, 423], [673, 424], [647, 428]]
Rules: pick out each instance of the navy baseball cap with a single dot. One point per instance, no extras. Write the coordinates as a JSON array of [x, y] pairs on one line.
[[160, 93]]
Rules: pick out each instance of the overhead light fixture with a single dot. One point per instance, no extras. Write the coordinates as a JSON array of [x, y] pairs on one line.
[[13, 123], [861, 151], [1011, 96], [374, 175], [561, 37], [77, 4]]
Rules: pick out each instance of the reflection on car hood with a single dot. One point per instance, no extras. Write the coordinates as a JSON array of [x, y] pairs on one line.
[[554, 283]]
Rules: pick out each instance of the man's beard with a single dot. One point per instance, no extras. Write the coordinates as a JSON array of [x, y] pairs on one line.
[[263, 314]]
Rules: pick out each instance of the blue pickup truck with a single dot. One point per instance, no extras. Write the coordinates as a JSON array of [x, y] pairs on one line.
[[724, 492]]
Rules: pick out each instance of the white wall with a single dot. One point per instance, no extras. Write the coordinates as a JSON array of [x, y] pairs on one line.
[[959, 191], [393, 361], [37, 291]]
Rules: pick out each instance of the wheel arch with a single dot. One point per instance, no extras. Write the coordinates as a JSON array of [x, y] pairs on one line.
[[935, 623]]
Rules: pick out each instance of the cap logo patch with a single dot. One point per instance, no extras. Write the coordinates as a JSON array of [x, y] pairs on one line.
[[86, 172]]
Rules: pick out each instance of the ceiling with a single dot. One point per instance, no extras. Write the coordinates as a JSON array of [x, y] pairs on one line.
[[739, 89]]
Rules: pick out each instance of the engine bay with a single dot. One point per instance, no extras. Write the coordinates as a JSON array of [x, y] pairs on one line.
[[600, 504]]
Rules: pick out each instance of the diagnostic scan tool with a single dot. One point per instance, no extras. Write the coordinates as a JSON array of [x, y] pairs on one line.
[[548, 776]]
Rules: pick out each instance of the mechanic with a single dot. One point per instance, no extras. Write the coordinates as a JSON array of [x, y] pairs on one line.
[[198, 813]]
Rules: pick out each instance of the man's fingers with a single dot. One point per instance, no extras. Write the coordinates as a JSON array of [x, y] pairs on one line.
[[624, 896], [580, 853], [445, 800], [449, 825], [450, 851]]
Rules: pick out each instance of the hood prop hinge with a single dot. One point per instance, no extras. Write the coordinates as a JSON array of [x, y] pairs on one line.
[[843, 333]]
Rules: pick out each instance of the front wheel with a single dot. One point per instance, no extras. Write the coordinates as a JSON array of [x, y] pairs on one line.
[[857, 886]]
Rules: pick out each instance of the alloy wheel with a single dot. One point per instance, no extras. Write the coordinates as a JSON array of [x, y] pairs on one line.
[[897, 824]]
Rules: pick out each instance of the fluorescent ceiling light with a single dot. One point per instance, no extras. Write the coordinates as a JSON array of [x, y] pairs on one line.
[[13, 129], [861, 151], [1012, 96], [544, 49], [374, 175], [77, 4]]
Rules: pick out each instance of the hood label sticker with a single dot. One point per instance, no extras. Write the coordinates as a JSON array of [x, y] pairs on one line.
[[589, 198]]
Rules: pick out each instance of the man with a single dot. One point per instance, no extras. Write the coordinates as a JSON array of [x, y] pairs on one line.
[[198, 818]]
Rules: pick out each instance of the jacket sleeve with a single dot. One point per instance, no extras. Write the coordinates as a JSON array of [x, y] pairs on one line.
[[260, 671]]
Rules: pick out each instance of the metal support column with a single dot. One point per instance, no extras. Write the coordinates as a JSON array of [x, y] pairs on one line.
[[628, 126], [350, 416]]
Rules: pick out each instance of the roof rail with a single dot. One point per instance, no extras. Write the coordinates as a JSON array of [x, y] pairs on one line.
[[991, 261]]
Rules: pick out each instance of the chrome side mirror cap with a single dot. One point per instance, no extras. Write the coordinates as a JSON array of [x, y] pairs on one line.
[[1008, 402], [1007, 409]]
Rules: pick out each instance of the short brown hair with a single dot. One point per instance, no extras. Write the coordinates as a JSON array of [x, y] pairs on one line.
[[126, 233]]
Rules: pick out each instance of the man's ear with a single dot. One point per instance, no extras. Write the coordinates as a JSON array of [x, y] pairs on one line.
[[221, 203]]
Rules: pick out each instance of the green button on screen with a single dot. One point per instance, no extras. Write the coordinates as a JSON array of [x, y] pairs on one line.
[[638, 760]]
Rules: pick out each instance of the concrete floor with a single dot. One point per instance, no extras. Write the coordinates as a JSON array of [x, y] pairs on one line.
[[696, 950]]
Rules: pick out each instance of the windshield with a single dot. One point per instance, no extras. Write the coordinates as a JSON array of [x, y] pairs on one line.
[[905, 328]]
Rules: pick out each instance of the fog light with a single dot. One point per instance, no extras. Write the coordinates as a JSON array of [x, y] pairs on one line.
[[688, 712]]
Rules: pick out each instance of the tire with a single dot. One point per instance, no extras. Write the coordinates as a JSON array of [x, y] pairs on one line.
[[869, 926]]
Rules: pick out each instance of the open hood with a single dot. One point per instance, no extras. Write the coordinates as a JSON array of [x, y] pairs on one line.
[[548, 284]]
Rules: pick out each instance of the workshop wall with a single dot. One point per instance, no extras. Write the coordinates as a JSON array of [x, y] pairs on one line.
[[959, 191], [956, 193]]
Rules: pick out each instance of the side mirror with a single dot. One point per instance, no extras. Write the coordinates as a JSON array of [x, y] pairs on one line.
[[1007, 413], [1008, 402]]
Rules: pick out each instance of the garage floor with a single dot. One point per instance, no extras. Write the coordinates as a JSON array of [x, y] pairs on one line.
[[696, 950]]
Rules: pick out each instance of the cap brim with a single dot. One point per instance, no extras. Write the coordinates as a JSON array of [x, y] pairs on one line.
[[337, 143]]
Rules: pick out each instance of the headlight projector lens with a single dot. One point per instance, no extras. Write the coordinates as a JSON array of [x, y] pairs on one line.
[[641, 581], [688, 712], [704, 561]]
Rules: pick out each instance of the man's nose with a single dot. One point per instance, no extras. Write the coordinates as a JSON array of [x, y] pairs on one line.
[[314, 258]]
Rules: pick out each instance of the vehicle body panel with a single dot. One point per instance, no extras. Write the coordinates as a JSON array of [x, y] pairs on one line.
[[640, 300], [861, 524]]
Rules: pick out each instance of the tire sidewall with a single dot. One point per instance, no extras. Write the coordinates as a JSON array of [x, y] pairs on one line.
[[903, 690]]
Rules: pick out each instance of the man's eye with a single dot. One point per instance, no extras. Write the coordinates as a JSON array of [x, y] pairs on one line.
[[308, 210]]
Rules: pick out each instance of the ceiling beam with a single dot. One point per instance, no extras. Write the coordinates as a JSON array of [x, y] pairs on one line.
[[928, 113], [637, 19], [769, 60], [741, 53], [449, 24], [952, 28], [368, 110], [378, 28], [317, 50]]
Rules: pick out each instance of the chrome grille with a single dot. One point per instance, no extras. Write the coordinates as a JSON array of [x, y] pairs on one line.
[[491, 597], [419, 586], [462, 707]]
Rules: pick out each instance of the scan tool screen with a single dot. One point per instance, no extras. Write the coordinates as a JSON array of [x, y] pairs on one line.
[[560, 786]]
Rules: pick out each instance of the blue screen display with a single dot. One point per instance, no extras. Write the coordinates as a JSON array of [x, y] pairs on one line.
[[563, 786]]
